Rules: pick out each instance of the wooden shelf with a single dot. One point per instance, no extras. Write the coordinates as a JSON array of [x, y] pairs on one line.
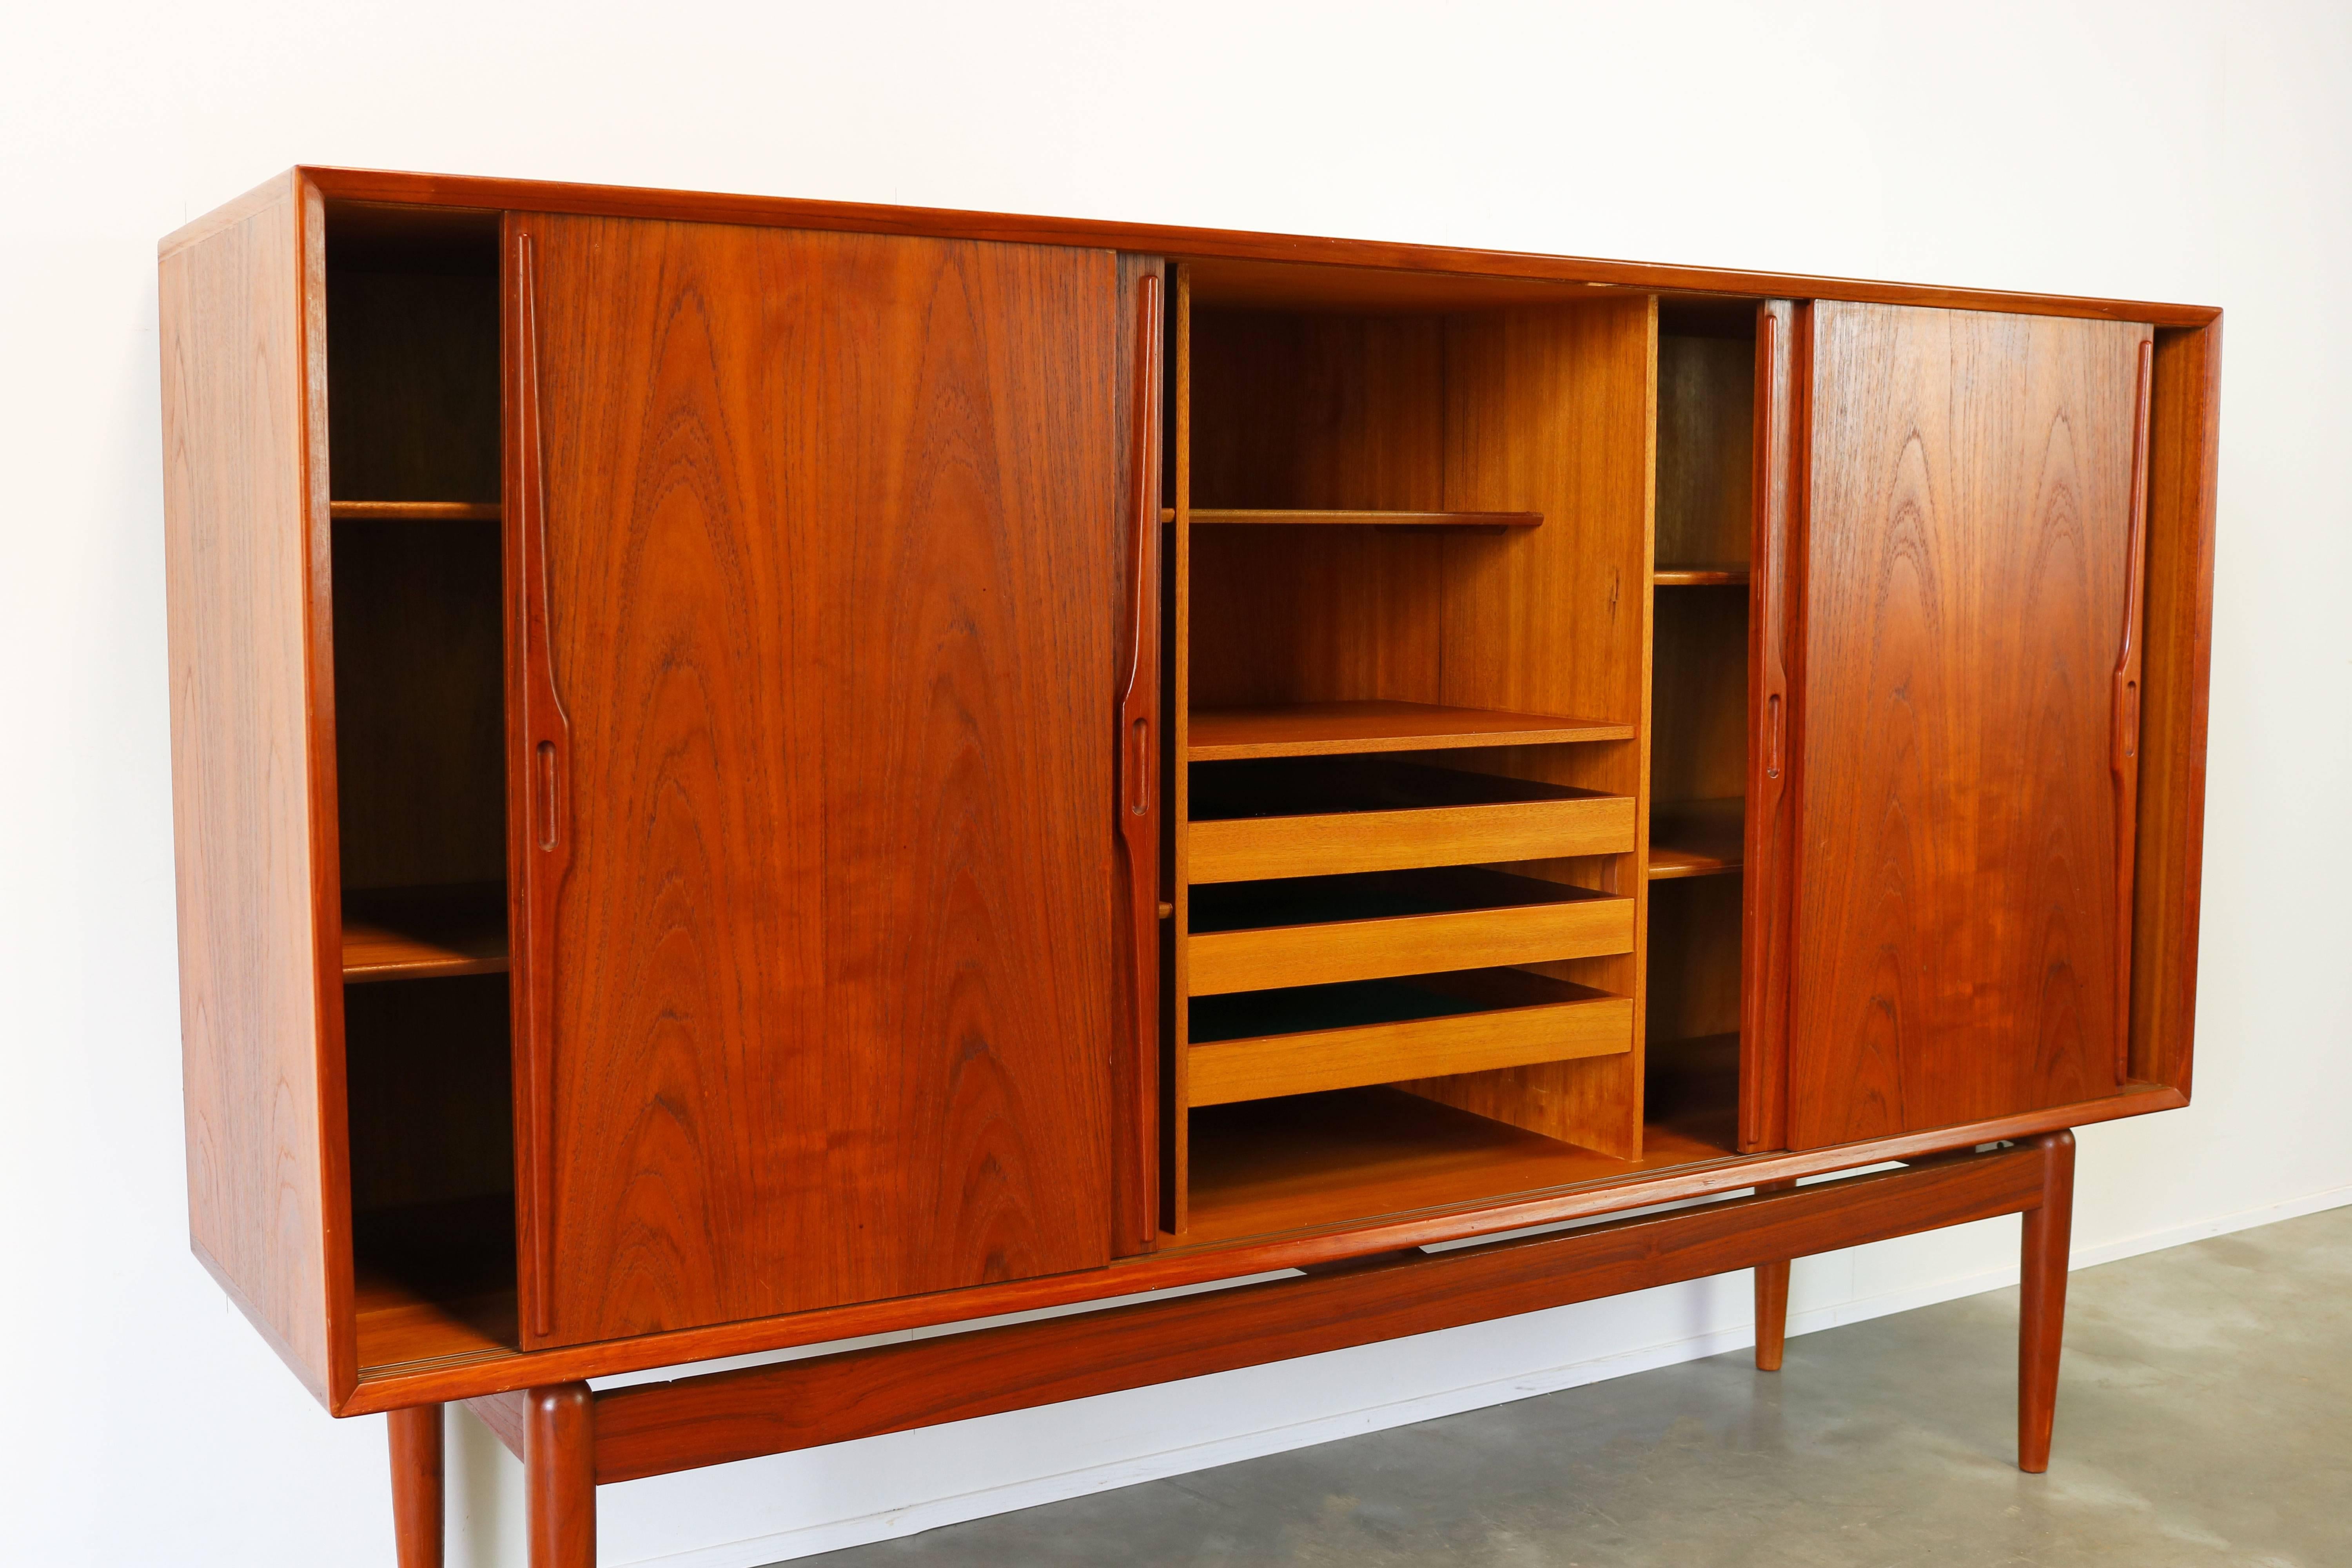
[[414, 512], [1221, 515], [1697, 838], [416, 934], [1334, 728], [1699, 576], [435, 1282], [1316, 1162]]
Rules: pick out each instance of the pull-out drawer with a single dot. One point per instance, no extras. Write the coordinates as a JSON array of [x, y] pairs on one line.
[[1262, 1044], [1311, 931], [1320, 816]]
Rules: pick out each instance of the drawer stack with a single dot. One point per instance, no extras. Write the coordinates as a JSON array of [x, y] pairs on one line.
[[1351, 922]]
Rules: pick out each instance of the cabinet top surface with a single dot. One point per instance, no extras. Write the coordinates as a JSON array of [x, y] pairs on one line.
[[1238, 271]]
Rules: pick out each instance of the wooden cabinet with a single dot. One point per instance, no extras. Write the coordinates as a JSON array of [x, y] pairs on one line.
[[751, 773]]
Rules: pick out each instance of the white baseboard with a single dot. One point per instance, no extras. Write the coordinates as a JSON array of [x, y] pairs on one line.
[[933, 1513]]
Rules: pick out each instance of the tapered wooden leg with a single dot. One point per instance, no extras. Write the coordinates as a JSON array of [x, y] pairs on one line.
[[2042, 1318], [1771, 1301], [416, 1484], [559, 1457], [1771, 1314]]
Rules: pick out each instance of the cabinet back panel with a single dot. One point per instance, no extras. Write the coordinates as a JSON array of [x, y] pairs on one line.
[[833, 533], [413, 384], [1968, 533], [1706, 421], [420, 736]]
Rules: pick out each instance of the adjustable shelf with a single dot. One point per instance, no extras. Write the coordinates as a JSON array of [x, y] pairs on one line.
[[414, 512], [1286, 518], [416, 934], [1697, 838], [1329, 729], [1699, 576]]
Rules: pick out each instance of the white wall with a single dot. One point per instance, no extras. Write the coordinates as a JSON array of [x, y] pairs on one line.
[[2154, 150]]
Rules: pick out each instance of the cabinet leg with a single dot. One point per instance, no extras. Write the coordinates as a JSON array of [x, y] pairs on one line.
[[559, 1461], [2041, 1317], [1771, 1314], [416, 1484], [1772, 1300]]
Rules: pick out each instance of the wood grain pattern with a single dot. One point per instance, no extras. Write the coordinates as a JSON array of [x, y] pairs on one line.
[[560, 1476], [1694, 975], [1178, 674], [1698, 696], [413, 512], [420, 723], [1334, 728], [2124, 745], [1531, 932], [1554, 411], [415, 933], [1783, 349], [2042, 1306], [1699, 577], [264, 1111], [655, 1428], [1246, 848], [1969, 524], [1311, 1061], [832, 533], [1696, 837], [1706, 401], [2184, 458], [1772, 1299], [1144, 761], [1473, 276], [413, 372], [418, 1485]]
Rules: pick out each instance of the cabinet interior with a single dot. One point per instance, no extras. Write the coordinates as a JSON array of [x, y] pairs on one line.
[[412, 339], [1414, 946], [1699, 725]]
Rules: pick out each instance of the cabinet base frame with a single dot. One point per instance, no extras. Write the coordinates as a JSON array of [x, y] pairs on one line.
[[573, 1439]]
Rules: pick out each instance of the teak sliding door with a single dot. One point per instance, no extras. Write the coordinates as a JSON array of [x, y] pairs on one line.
[[1968, 715], [819, 540]]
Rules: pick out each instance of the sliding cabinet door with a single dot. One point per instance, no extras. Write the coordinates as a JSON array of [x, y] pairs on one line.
[[819, 541], [1967, 716]]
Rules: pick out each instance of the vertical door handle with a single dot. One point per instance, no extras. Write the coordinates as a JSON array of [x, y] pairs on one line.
[[2125, 707], [543, 763]]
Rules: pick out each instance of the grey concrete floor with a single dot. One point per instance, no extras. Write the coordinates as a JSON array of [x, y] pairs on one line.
[[2204, 1418]]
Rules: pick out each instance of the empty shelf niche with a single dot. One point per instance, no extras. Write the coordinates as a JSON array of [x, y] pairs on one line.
[[1298, 1040], [1312, 930], [1310, 816]]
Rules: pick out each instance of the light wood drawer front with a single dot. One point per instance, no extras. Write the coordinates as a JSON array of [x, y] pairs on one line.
[[1246, 848], [1222, 962], [1271, 1065]]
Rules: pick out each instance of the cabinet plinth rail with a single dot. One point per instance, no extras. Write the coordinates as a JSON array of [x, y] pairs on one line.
[[651, 1429]]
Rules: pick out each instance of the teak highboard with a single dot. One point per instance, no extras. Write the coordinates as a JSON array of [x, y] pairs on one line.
[[750, 772]]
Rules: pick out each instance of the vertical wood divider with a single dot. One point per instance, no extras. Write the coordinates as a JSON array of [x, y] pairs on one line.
[[1176, 1111]]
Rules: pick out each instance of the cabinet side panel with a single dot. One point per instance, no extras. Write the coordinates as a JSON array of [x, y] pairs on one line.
[[237, 509], [2178, 641]]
